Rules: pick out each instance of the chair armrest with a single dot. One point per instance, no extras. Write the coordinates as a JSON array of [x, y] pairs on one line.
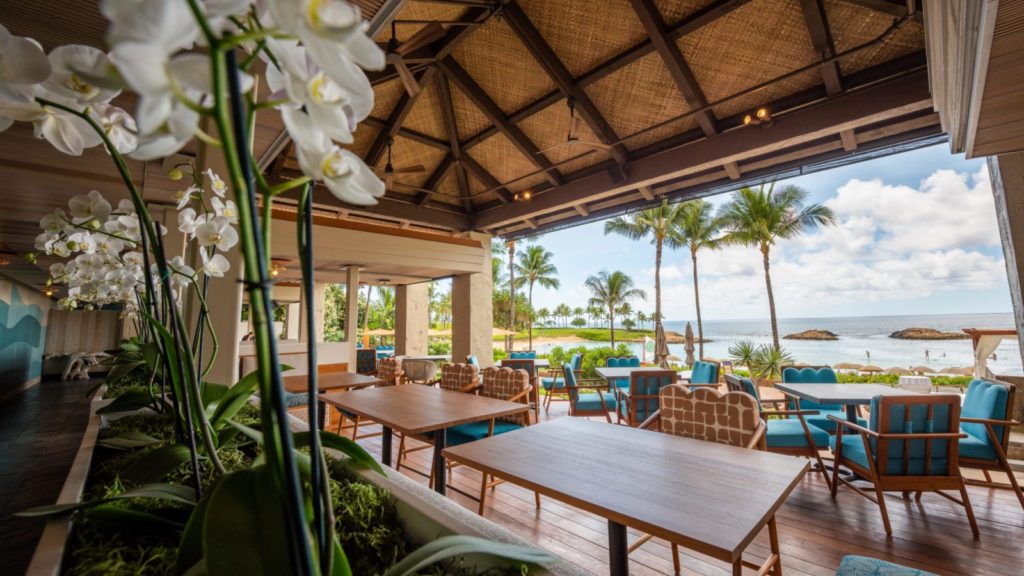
[[521, 395], [855, 427], [790, 412], [588, 386], [990, 421], [757, 440], [471, 387], [921, 436], [652, 420]]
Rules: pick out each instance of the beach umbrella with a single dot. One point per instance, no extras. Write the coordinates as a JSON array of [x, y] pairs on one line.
[[870, 368], [673, 358], [897, 370], [922, 370], [801, 365], [502, 332], [688, 344], [434, 332], [660, 347], [379, 332], [848, 366], [958, 370]]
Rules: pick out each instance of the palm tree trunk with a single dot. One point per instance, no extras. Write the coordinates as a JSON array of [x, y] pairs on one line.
[[771, 297], [611, 323], [657, 285], [696, 298], [511, 296], [366, 316], [530, 297]]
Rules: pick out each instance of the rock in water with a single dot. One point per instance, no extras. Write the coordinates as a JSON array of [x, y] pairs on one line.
[[812, 335], [927, 334]]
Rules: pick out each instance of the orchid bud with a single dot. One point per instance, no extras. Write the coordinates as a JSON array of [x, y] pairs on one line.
[[175, 174]]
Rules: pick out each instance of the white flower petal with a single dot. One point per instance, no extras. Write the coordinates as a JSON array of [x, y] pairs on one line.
[[22, 60]]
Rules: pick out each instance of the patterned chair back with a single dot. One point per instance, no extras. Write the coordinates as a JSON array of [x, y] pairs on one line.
[[704, 372], [644, 392], [810, 375], [935, 413], [389, 371], [520, 364], [457, 376], [991, 400], [421, 371], [366, 360], [523, 355], [504, 384], [706, 414]]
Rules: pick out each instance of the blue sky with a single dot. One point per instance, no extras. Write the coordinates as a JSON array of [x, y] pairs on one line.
[[916, 235]]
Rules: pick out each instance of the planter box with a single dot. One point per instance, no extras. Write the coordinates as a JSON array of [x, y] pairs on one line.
[[425, 514]]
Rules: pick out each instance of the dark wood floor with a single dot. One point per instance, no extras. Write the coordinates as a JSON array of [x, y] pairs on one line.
[[816, 531], [40, 431]]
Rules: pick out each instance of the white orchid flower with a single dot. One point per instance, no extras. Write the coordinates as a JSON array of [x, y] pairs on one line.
[[65, 132], [217, 232], [59, 249], [183, 197], [82, 242], [187, 221], [119, 127], [132, 259], [216, 184], [54, 222], [225, 209], [216, 265], [169, 25], [125, 206], [22, 60], [57, 270], [182, 272], [108, 245], [180, 126], [66, 82], [343, 172], [85, 207]]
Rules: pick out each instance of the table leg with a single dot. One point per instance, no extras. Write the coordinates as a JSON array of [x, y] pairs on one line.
[[440, 478], [618, 554], [851, 413], [385, 451], [321, 414]]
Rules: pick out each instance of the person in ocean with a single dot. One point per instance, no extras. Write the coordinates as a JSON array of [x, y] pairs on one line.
[[868, 354], [926, 355]]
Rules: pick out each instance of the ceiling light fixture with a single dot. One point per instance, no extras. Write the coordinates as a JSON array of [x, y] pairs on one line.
[[761, 117], [523, 196]]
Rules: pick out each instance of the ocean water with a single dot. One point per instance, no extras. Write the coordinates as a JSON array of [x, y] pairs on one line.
[[864, 340]]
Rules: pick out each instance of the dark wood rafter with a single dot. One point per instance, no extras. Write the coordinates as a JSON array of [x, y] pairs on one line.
[[821, 40], [468, 86], [486, 178], [436, 177], [451, 127], [678, 68], [891, 7], [545, 55], [397, 118], [413, 135]]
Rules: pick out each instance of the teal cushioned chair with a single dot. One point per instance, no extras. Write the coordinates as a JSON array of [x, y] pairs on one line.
[[910, 445], [986, 418], [621, 362], [642, 400], [704, 372], [473, 360], [524, 355], [863, 566], [588, 397], [788, 432], [554, 385], [819, 375]]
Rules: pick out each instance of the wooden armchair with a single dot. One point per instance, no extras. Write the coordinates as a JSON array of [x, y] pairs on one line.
[[455, 377], [706, 414], [637, 403], [986, 418], [389, 371], [910, 445], [366, 361], [525, 361], [588, 396]]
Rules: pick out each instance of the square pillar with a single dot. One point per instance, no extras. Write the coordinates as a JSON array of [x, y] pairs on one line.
[[319, 302], [351, 313], [472, 311], [412, 319], [1007, 175], [293, 321]]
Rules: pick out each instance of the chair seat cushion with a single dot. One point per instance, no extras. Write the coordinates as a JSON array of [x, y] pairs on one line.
[[972, 447], [853, 450], [549, 382], [864, 566], [293, 400], [790, 434], [473, 431], [591, 401], [821, 419], [621, 382]]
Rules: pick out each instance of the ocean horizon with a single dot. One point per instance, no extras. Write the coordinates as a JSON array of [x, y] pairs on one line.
[[862, 339]]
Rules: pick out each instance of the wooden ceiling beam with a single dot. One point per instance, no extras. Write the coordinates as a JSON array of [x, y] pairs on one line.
[[653, 23], [409, 134], [451, 127], [468, 86], [873, 104], [581, 209], [396, 119], [435, 178], [816, 20], [486, 178], [732, 170], [545, 55], [391, 208], [891, 7], [516, 117]]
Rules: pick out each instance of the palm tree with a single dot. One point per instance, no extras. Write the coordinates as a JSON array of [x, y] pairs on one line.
[[658, 223], [625, 311], [760, 216], [578, 312], [698, 228], [543, 314], [563, 311], [610, 291], [641, 318], [535, 267]]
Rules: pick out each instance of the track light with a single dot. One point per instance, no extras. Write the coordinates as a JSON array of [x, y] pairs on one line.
[[523, 196], [762, 116]]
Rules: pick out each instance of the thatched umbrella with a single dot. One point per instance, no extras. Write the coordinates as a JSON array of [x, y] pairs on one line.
[[898, 371], [922, 370], [958, 370], [688, 344], [847, 366], [502, 332], [870, 368], [660, 347]]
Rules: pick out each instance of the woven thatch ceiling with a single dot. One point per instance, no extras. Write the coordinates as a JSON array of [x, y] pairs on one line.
[[647, 77]]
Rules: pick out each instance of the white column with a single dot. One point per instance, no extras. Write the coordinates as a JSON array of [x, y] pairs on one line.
[[351, 313], [319, 301], [292, 328], [472, 312], [411, 319], [1007, 175]]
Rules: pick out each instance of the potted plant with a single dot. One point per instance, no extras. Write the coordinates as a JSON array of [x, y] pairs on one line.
[[232, 483]]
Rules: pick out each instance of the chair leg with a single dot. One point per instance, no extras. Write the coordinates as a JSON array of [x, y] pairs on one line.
[[401, 453], [355, 428], [821, 467], [881, 507], [773, 538], [969, 509], [483, 493], [341, 422], [1013, 482], [675, 559], [835, 476], [536, 499], [988, 477]]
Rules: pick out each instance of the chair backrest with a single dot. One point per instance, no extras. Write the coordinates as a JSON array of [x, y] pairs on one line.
[[366, 360], [520, 364], [916, 414], [504, 384], [570, 383], [472, 359], [810, 375], [706, 414], [623, 362], [525, 354], [704, 372], [457, 376], [576, 361], [389, 370], [419, 370], [644, 390], [746, 385], [988, 399]]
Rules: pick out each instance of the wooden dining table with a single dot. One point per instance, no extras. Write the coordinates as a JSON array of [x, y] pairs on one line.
[[416, 410], [613, 373], [329, 382], [707, 497], [849, 395]]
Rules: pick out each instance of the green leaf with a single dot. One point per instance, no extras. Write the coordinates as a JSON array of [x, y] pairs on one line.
[[168, 492], [152, 466], [358, 456], [190, 550], [245, 530], [128, 519], [197, 569], [448, 547], [128, 402], [130, 346], [120, 371], [339, 561], [213, 393], [128, 440]]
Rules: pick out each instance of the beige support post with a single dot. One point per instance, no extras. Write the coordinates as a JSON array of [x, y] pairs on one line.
[[351, 313], [1007, 175], [411, 319], [293, 325], [319, 302], [472, 312]]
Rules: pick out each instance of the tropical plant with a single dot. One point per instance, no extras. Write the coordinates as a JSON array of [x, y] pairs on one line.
[[742, 353], [628, 324], [641, 318], [609, 291], [698, 228], [759, 216], [535, 267], [659, 224], [564, 312], [579, 322], [764, 362], [543, 315], [579, 312]]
